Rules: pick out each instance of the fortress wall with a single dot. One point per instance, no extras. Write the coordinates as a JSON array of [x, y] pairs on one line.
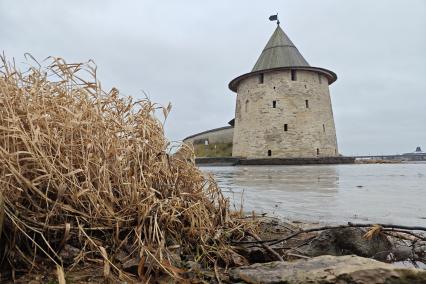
[[259, 127], [214, 136]]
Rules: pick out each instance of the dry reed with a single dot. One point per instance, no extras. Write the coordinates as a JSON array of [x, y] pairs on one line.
[[88, 169]]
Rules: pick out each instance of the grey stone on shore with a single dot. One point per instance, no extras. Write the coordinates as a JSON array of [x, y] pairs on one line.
[[349, 241], [326, 270]]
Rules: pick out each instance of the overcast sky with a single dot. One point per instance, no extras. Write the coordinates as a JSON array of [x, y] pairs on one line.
[[186, 52]]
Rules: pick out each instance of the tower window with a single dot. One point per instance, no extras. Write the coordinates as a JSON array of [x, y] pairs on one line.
[[317, 151], [285, 127], [269, 153], [319, 78], [323, 127], [261, 78], [293, 75], [246, 105], [274, 104], [307, 103]]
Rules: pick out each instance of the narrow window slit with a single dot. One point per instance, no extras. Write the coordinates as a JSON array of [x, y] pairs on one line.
[[285, 127], [307, 103], [293, 75], [261, 78], [269, 153], [274, 104]]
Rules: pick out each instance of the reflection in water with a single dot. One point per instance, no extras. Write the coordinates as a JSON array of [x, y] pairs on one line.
[[329, 193]]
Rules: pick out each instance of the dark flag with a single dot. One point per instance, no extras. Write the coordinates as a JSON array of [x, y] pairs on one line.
[[273, 18]]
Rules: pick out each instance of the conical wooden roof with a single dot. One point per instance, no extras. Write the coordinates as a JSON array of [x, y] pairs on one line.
[[279, 52]]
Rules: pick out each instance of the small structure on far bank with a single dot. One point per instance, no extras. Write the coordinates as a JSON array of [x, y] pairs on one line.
[[213, 143], [417, 155], [283, 110]]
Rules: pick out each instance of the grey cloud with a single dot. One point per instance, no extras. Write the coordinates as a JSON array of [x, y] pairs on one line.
[[186, 52]]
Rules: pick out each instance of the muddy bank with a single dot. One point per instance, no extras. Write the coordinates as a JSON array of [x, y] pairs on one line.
[[346, 254], [277, 251], [389, 243]]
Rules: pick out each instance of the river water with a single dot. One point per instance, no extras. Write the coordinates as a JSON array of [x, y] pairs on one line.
[[333, 194]]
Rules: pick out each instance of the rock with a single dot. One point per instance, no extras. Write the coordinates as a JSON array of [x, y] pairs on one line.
[[420, 249], [349, 241], [68, 253], [402, 252], [327, 269]]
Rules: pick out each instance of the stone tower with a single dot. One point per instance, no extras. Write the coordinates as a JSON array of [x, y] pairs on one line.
[[283, 107]]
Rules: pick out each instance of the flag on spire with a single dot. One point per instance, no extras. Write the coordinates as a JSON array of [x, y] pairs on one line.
[[274, 18]]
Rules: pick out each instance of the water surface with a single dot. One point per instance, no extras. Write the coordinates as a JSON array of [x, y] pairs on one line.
[[385, 193]]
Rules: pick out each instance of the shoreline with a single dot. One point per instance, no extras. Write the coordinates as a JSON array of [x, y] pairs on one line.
[[235, 161], [232, 161]]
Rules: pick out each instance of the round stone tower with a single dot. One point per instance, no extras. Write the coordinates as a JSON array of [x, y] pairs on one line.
[[283, 107]]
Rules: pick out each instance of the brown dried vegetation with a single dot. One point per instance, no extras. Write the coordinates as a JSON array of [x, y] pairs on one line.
[[88, 169]]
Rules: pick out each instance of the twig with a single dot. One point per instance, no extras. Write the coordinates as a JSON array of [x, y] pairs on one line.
[[276, 241], [216, 273], [265, 246], [298, 255]]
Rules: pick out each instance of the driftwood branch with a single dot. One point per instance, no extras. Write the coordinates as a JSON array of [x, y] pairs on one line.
[[423, 238], [401, 229], [265, 246], [412, 228], [350, 225]]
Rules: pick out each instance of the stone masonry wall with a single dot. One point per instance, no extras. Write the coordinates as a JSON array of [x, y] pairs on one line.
[[259, 127]]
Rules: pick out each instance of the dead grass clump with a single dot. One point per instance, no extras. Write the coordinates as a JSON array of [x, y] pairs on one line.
[[88, 170]]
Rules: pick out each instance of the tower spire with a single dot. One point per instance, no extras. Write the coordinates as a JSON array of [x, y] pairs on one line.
[[279, 52]]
